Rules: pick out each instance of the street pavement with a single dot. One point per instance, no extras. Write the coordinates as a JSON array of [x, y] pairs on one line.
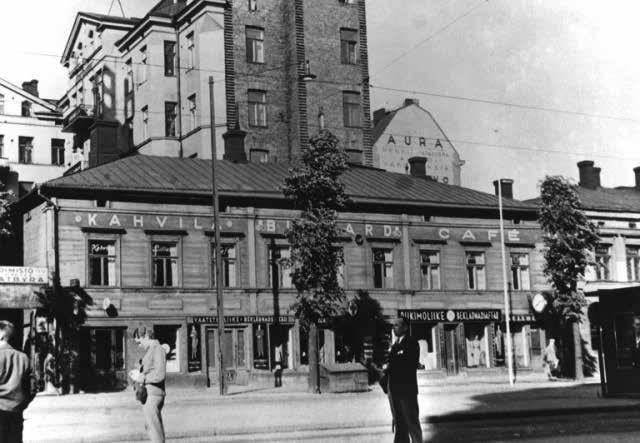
[[488, 409]]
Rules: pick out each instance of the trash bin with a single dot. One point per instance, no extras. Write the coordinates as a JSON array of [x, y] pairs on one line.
[[343, 377]]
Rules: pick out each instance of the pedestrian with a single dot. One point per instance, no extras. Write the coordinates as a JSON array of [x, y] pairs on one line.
[[17, 386], [402, 384], [152, 375], [550, 359]]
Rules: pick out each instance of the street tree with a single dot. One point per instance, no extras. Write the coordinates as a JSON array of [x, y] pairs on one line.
[[569, 237], [315, 190]]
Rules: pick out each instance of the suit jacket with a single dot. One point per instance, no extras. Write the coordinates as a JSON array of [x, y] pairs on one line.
[[404, 358], [16, 385]]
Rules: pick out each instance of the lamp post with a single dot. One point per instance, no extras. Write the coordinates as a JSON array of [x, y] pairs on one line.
[[507, 308], [218, 255]]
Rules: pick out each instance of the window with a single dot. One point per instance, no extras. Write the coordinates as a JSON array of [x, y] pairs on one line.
[[102, 262], [476, 345], [476, 278], [253, 5], [57, 151], [170, 335], [143, 64], [90, 34], [382, 268], [1, 104], [603, 262], [351, 109], [128, 81], [191, 55], [164, 256], [348, 45], [284, 274], [26, 109], [430, 269], [25, 150], [169, 59], [1, 146], [255, 44], [229, 263], [633, 263], [106, 348], [520, 271], [145, 122], [170, 114], [257, 108], [192, 111]]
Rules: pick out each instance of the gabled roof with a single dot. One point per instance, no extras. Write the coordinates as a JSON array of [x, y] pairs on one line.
[[18, 90], [379, 129], [151, 175], [620, 199]]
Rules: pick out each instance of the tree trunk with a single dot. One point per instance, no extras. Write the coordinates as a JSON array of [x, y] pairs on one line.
[[314, 360], [577, 351]]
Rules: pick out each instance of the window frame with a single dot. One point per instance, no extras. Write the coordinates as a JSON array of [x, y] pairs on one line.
[[57, 152], [26, 109], [177, 279], [634, 261], [255, 46], [348, 47], [2, 104], [517, 270], [169, 57], [170, 119], [143, 64], [193, 109], [438, 267], [351, 109], [281, 268], [252, 5], [145, 122], [114, 238], [387, 266], [475, 267], [2, 146], [602, 266], [254, 108], [191, 48], [25, 149], [225, 262]]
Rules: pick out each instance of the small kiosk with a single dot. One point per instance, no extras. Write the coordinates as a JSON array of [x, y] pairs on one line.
[[617, 316]]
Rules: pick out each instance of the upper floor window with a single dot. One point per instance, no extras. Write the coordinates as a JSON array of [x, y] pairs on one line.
[[520, 278], [255, 44], [253, 5], [633, 263], [102, 262], [164, 262], [25, 149], [280, 254], [143, 64], [191, 55], [348, 46], [1, 145], [169, 58], [26, 109], [128, 85], [57, 151], [476, 278], [1, 104], [430, 269], [229, 265], [257, 108], [603, 262], [145, 122], [382, 268], [170, 115], [351, 109], [192, 111]]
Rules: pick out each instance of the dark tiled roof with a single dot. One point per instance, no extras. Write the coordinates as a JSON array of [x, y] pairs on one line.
[[379, 129], [170, 175], [111, 18], [621, 199]]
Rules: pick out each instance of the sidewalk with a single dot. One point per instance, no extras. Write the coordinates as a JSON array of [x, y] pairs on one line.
[[202, 413]]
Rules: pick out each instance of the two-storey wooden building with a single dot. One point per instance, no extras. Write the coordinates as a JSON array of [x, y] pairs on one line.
[[137, 234]]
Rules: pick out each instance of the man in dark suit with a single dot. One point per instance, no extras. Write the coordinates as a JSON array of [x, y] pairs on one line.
[[403, 384]]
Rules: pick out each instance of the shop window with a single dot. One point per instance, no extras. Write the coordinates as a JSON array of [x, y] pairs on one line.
[[430, 269], [281, 254], [603, 262], [102, 262], [627, 338], [499, 345], [351, 109], [520, 271], [633, 263], [280, 345], [194, 358], [165, 263], [57, 151], [169, 58], [170, 115], [257, 101], [169, 338], [25, 150], [233, 348], [107, 349], [348, 46], [476, 278], [425, 334], [382, 268], [476, 344], [255, 44], [229, 263]]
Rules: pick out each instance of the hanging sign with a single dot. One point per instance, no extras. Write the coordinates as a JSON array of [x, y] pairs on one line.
[[23, 275]]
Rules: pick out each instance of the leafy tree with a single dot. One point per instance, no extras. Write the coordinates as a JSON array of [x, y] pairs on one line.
[[314, 188], [568, 237], [6, 227]]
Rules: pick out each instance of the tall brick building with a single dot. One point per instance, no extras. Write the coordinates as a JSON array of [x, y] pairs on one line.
[[281, 68]]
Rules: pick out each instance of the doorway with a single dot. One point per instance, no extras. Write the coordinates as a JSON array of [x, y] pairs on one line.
[[451, 349], [233, 355]]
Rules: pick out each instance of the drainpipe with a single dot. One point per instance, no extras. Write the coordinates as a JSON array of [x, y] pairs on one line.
[[178, 75]]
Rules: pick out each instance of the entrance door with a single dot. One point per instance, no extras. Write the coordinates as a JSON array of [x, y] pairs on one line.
[[451, 349], [233, 354]]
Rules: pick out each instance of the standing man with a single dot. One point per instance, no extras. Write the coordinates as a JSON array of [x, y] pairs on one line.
[[17, 388], [153, 371], [404, 358]]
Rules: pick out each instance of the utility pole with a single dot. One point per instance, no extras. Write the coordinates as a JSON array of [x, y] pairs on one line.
[[218, 255], [507, 308]]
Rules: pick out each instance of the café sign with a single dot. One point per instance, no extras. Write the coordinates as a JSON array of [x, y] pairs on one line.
[[450, 315], [23, 275]]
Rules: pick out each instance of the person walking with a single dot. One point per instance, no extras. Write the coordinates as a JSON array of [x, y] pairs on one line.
[[402, 384], [152, 375], [17, 386], [550, 359]]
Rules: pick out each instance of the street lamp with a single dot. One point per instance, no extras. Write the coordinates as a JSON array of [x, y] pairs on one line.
[[307, 76]]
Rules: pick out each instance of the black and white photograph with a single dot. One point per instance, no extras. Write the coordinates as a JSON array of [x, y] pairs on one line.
[[339, 221]]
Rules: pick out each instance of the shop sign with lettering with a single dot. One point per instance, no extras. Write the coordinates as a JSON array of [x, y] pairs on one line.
[[144, 221], [450, 315], [270, 226], [474, 235], [245, 319], [23, 275], [522, 318]]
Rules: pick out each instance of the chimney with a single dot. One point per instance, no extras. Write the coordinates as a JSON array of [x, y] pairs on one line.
[[507, 187], [411, 101], [31, 87], [589, 176], [418, 166], [636, 170], [378, 115], [234, 144]]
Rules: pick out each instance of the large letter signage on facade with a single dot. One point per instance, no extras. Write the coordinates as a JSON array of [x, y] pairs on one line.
[[450, 315]]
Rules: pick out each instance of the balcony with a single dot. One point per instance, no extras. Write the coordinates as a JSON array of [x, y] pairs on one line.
[[79, 119]]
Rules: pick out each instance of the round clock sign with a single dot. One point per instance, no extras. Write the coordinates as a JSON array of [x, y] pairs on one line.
[[539, 303]]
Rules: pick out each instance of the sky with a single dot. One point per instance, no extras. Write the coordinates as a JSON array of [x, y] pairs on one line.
[[573, 56]]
